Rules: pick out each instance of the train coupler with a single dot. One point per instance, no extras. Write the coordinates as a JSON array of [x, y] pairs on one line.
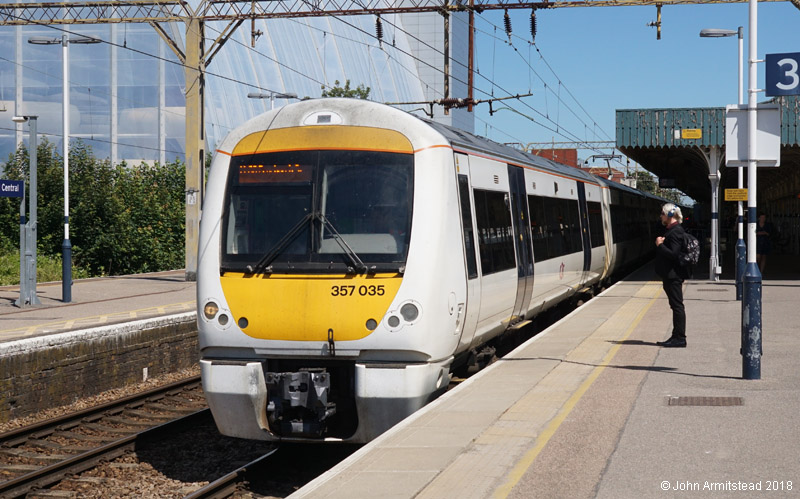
[[298, 403]]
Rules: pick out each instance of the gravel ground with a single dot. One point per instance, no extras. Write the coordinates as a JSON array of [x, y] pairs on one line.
[[101, 398], [169, 468]]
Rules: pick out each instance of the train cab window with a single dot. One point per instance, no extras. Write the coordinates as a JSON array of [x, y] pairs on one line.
[[555, 227], [318, 210], [495, 233], [466, 222]]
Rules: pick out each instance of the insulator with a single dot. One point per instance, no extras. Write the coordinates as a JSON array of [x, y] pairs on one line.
[[378, 29], [507, 24], [533, 25]]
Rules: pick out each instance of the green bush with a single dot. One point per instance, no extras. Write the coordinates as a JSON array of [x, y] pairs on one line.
[[48, 268], [123, 219]]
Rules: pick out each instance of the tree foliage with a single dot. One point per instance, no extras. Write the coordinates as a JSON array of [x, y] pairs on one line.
[[360, 92], [123, 219], [646, 182]]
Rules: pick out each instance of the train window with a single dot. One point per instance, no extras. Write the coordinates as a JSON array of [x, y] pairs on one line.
[[495, 234], [629, 222], [321, 211], [595, 224], [466, 223], [555, 227], [258, 220], [369, 208]]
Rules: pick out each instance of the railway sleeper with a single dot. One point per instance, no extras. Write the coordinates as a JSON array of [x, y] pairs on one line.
[[129, 422], [19, 468], [150, 415], [35, 456], [81, 437], [110, 429], [173, 409], [50, 494], [48, 445]]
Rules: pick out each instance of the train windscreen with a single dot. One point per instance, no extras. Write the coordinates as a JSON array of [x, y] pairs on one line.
[[328, 211]]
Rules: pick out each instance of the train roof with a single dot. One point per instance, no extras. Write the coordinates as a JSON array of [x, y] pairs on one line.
[[473, 142], [476, 143]]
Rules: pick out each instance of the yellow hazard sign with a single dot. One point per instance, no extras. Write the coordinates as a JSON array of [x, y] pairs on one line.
[[735, 194], [692, 133]]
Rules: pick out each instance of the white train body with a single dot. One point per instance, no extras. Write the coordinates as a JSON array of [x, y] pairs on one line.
[[351, 254]]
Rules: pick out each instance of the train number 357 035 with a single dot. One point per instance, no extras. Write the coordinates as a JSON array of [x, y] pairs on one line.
[[363, 290]]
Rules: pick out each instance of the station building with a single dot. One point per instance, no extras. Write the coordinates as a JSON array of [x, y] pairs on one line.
[[127, 94], [695, 163]]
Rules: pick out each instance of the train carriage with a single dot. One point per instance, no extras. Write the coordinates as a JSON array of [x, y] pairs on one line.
[[351, 255]]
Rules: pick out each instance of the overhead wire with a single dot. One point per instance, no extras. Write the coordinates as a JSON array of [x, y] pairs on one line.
[[557, 130], [178, 63], [533, 69]]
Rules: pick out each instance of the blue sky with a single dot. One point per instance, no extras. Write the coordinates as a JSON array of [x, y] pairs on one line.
[[608, 59]]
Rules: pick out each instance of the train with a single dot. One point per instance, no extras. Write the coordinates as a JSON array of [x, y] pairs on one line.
[[352, 256]]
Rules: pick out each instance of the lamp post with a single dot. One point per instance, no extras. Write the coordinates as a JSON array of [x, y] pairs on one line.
[[752, 332], [271, 96], [27, 232], [66, 246], [741, 259]]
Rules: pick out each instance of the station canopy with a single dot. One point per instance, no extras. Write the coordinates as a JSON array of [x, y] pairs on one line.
[[668, 143]]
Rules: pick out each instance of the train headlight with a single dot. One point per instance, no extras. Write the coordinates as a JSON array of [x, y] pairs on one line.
[[407, 315], [410, 312], [210, 310], [223, 319]]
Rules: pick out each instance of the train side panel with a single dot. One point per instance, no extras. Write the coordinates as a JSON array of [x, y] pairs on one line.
[[497, 259]]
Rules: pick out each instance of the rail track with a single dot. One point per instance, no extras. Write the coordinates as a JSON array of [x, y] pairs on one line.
[[42, 454]]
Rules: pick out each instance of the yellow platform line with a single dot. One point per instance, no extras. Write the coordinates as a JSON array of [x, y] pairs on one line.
[[527, 460], [96, 318]]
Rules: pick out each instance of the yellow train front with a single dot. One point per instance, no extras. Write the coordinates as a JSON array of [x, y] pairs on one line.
[[330, 272]]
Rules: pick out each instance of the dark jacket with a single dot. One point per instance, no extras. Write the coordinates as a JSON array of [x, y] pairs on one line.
[[667, 266]]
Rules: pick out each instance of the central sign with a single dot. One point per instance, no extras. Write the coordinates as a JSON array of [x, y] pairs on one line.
[[12, 189]]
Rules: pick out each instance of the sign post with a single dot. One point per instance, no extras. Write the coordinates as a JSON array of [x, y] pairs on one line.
[[27, 237], [16, 189]]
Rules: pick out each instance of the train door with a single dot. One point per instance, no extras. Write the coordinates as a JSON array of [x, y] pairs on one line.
[[522, 240], [471, 309], [587, 245]]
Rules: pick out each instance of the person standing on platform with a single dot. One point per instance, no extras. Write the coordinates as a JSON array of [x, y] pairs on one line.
[[764, 233], [672, 274]]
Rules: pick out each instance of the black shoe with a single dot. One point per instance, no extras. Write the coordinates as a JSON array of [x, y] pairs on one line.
[[673, 342]]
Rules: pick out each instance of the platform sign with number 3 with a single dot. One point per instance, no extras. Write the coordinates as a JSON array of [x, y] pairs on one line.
[[783, 74]]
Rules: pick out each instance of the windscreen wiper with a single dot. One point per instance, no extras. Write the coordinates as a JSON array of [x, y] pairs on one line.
[[358, 265], [281, 245]]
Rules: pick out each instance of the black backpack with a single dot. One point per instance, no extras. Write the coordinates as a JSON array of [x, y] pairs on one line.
[[690, 251]]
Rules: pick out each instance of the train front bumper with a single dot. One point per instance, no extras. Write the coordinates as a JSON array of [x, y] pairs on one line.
[[236, 392]]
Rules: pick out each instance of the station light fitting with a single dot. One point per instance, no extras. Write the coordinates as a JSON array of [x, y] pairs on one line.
[[717, 33], [44, 40]]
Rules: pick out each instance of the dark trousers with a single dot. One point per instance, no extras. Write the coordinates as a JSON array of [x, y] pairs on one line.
[[674, 290]]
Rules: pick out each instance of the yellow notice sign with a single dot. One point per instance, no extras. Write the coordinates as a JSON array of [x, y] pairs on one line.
[[691, 133], [735, 194]]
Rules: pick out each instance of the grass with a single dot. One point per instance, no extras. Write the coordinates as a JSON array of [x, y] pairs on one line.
[[48, 268]]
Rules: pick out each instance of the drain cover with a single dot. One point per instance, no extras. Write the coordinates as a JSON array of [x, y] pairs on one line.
[[715, 290], [706, 401]]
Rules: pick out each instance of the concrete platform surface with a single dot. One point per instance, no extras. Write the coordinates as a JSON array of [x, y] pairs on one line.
[[96, 302], [592, 407]]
